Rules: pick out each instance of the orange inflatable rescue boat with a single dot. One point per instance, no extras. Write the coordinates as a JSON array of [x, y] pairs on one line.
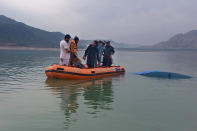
[[65, 72]]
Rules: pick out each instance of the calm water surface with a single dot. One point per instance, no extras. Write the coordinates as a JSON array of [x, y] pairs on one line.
[[30, 101]]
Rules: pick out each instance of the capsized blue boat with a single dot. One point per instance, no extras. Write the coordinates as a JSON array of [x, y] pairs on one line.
[[162, 74]]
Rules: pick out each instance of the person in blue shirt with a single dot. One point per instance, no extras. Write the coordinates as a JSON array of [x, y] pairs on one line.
[[101, 47]]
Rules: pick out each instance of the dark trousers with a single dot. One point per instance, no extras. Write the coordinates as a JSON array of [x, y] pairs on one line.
[[92, 62], [91, 66], [107, 61]]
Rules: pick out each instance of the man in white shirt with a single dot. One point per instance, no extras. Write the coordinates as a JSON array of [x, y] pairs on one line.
[[64, 50]]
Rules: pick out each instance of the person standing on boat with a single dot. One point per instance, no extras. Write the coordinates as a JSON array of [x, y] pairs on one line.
[[64, 50], [107, 55], [101, 47], [92, 55], [73, 51]]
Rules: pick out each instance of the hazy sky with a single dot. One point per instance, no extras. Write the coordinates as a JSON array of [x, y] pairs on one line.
[[130, 21]]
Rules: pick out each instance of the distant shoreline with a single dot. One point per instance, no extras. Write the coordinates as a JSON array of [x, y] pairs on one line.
[[57, 49], [26, 48]]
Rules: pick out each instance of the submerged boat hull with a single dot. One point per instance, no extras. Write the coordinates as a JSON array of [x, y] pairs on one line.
[[162, 74], [65, 72]]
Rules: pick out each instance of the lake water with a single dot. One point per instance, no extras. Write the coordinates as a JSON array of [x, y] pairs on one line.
[[31, 102]]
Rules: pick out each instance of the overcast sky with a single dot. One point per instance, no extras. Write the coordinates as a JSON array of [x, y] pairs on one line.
[[129, 21]]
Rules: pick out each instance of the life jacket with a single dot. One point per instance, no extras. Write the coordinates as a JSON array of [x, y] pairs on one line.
[[75, 46]]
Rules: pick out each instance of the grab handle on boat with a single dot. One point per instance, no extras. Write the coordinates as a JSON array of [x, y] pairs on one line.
[[60, 68]]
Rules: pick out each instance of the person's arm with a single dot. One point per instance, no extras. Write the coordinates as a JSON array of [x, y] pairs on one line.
[[87, 50], [112, 52], [98, 55], [86, 53], [103, 52], [66, 47], [67, 50]]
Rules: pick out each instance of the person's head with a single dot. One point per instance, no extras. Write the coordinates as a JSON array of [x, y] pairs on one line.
[[108, 43], [67, 37], [95, 43], [76, 39]]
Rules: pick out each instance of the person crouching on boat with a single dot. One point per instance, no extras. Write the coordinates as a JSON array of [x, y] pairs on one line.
[[64, 50], [92, 55], [107, 55], [73, 51]]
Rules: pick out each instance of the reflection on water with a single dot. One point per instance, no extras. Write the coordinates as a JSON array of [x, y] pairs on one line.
[[97, 95], [68, 91]]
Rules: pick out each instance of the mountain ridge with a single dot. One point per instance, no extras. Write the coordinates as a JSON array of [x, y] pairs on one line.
[[20, 34], [14, 33], [186, 40]]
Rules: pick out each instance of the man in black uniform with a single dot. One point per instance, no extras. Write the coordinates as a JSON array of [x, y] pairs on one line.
[[92, 55], [107, 56]]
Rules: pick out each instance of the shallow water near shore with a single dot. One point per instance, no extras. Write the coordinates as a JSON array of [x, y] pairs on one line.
[[30, 101]]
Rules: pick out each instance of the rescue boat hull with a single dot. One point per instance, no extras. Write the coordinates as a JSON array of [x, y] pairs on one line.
[[65, 72]]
